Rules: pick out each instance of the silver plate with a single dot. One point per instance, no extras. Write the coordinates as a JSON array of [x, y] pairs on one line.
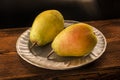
[[57, 62]]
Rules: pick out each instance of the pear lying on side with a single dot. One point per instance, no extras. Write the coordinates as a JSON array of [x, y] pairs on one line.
[[46, 26], [75, 40]]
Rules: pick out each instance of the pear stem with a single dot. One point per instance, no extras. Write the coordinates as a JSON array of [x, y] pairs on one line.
[[32, 46], [49, 54]]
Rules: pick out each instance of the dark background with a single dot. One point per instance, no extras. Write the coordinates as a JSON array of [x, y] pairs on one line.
[[21, 13]]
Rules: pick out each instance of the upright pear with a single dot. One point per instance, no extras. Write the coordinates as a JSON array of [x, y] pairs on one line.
[[46, 26], [75, 40]]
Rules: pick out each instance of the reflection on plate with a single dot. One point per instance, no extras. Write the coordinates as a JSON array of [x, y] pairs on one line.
[[57, 62]]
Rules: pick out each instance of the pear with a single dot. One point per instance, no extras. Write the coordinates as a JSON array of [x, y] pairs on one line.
[[76, 40], [46, 26]]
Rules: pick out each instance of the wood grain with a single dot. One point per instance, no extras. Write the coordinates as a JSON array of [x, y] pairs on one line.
[[107, 67]]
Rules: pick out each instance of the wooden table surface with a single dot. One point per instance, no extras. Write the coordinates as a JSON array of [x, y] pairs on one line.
[[107, 67]]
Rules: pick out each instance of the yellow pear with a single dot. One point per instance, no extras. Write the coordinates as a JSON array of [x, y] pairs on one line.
[[76, 40], [46, 26]]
